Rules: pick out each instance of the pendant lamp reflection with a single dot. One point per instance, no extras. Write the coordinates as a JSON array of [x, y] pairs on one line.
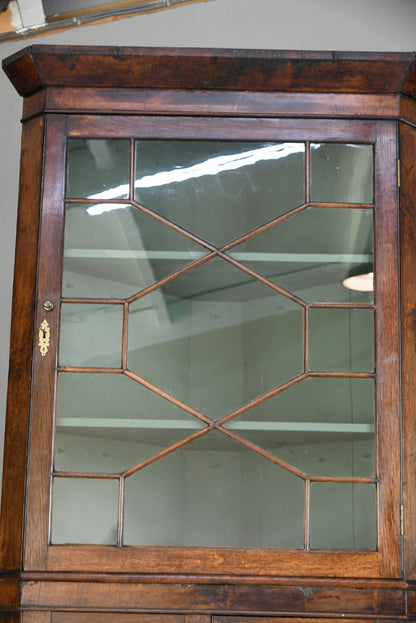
[[360, 279]]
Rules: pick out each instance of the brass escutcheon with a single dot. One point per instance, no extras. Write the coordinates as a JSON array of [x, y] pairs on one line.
[[44, 337]]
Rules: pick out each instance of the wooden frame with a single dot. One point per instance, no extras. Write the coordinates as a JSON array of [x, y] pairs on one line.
[[281, 96], [39, 554]]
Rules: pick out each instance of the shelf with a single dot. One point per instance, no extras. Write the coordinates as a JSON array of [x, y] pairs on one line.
[[126, 254], [313, 427]]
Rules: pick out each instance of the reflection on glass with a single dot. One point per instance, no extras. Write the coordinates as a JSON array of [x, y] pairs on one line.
[[84, 510], [224, 338], [341, 340], [219, 190], [322, 426], [341, 173], [108, 423], [215, 493], [215, 338], [115, 250], [98, 168], [90, 335], [343, 516], [310, 254]]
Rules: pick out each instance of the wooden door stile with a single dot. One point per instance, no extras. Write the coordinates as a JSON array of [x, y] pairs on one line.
[[21, 339], [43, 390], [408, 328], [387, 348]]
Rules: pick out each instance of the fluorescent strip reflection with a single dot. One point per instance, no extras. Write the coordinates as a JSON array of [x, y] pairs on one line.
[[212, 166], [100, 208], [219, 164]]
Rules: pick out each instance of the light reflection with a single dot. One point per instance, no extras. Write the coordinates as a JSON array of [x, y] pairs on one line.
[[100, 208], [361, 283], [211, 166]]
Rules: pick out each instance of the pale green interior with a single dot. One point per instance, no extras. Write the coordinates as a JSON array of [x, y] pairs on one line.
[[216, 338]]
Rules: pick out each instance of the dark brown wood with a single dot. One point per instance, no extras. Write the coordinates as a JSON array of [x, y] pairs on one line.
[[43, 393], [124, 342], [10, 617], [387, 347], [296, 620], [307, 516], [9, 593], [210, 103], [238, 580], [230, 128], [102, 617], [187, 68], [16, 435], [34, 104], [229, 95], [407, 110], [217, 599], [110, 475], [408, 309], [342, 375], [411, 602]]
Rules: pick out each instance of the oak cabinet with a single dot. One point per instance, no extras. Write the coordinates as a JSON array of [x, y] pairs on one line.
[[211, 378]]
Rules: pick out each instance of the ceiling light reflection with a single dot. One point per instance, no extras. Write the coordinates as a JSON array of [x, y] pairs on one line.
[[360, 283], [100, 208], [211, 166]]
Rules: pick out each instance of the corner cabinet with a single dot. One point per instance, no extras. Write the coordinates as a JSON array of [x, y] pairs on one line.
[[210, 410]]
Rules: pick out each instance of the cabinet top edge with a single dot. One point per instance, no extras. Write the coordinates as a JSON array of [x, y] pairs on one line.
[[39, 66]]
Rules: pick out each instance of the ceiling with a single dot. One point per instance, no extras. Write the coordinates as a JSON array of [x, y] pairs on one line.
[[22, 18]]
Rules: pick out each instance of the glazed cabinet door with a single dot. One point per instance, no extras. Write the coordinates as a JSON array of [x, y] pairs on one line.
[[215, 384]]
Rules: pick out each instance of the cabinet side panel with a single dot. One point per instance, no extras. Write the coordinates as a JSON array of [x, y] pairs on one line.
[[18, 399], [408, 311], [387, 341]]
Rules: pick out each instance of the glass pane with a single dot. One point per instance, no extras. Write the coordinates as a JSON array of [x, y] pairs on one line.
[[98, 168], [215, 493], [216, 338], [84, 510], [227, 338], [216, 189], [108, 423], [341, 340], [322, 426], [343, 516], [341, 173], [90, 335], [115, 250], [312, 253]]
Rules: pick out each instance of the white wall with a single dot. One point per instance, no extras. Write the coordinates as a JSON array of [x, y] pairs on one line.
[[383, 25]]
